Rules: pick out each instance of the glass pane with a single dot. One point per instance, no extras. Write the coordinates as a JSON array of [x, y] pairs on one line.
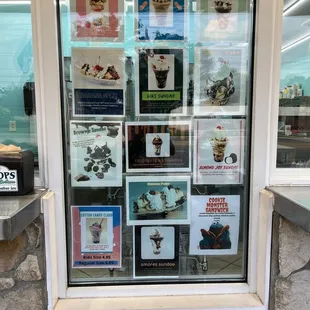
[[294, 104], [156, 113], [17, 88]]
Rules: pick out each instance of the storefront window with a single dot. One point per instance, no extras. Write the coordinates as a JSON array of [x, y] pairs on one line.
[[156, 126], [17, 89], [293, 150]]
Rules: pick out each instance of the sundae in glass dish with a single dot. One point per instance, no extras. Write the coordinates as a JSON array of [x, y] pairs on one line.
[[161, 6], [156, 239], [95, 230], [161, 69], [218, 142], [97, 5], [157, 142]]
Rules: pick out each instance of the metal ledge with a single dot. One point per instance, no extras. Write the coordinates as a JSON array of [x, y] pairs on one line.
[[293, 203], [17, 212]]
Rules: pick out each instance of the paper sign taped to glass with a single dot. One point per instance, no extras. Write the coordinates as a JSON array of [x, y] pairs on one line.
[[218, 151], [96, 160], [156, 251], [160, 20], [97, 20], [99, 79], [214, 228], [220, 81], [96, 236]]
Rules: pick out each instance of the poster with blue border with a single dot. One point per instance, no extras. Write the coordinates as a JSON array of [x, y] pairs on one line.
[[96, 236], [160, 20], [99, 81]]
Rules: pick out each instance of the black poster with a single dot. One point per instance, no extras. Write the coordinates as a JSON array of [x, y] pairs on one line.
[[161, 82], [156, 251]]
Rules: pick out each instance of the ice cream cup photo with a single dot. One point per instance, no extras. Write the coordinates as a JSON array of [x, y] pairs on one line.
[[156, 239], [218, 142], [97, 5], [161, 6], [95, 230], [157, 142], [161, 69]]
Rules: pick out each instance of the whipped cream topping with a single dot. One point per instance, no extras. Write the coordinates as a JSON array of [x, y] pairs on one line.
[[160, 63], [219, 134]]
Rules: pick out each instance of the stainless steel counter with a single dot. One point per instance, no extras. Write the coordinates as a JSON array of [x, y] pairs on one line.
[[293, 203], [17, 212]]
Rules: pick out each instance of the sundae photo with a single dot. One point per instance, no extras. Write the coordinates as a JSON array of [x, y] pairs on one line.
[[96, 230], [157, 142], [218, 142], [161, 69], [222, 6], [97, 72], [156, 239], [161, 6], [168, 199], [97, 5], [217, 237]]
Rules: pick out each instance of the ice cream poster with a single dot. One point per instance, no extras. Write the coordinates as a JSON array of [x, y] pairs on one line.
[[156, 251], [164, 146], [160, 20], [98, 76], [214, 226], [218, 151], [222, 20], [96, 236], [161, 82], [220, 81], [157, 200], [95, 157], [97, 20]]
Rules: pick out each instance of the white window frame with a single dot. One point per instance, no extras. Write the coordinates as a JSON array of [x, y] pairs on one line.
[[45, 44]]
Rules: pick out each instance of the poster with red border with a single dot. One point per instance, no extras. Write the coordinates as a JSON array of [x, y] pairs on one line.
[[97, 20], [96, 236], [219, 151]]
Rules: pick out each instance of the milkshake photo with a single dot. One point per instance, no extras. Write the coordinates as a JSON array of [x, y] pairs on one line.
[[218, 142], [161, 69], [157, 142], [156, 239], [96, 230]]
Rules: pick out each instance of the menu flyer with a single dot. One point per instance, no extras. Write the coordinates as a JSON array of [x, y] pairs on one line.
[[164, 146], [96, 236], [224, 20], [156, 251], [97, 20], [157, 200], [214, 228], [98, 76], [160, 20], [218, 151], [161, 81], [96, 160], [220, 81]]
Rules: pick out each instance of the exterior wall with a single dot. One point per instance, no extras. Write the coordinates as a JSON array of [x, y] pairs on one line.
[[290, 268], [22, 270]]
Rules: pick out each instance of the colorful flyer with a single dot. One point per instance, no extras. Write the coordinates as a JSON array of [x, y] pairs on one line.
[[98, 76], [97, 20], [224, 20], [164, 146], [160, 200], [96, 236], [220, 81], [161, 76], [218, 151], [160, 20], [156, 251], [96, 159], [214, 226]]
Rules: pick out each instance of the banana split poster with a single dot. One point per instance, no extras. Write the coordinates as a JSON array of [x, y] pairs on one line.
[[214, 228]]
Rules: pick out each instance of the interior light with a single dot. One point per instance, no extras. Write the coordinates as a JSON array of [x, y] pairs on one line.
[[288, 47], [293, 7]]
